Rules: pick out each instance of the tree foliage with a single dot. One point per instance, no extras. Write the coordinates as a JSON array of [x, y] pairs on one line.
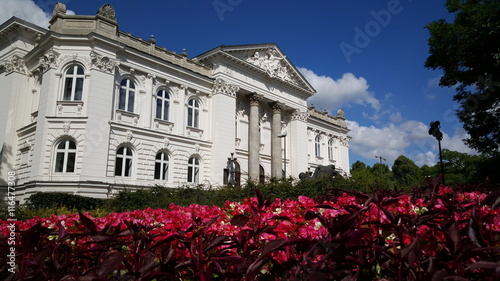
[[406, 172], [468, 52]]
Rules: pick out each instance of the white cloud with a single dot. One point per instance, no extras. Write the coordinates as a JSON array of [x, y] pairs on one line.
[[410, 138], [428, 158], [28, 11], [396, 117], [24, 9], [333, 94], [456, 143]]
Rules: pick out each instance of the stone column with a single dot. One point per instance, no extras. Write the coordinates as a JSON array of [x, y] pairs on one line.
[[276, 159], [254, 138]]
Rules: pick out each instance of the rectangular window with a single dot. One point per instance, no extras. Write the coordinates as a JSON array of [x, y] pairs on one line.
[[68, 89], [71, 162], [121, 100], [119, 165], [131, 95], [59, 162], [128, 167], [158, 108], [190, 117], [79, 89]]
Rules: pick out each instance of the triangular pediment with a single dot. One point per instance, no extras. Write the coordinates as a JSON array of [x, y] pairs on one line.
[[266, 59]]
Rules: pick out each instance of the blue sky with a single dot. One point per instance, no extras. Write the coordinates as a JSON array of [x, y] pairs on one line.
[[366, 57]]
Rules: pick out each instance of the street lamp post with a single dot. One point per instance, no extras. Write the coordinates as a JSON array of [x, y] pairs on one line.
[[283, 135], [436, 132]]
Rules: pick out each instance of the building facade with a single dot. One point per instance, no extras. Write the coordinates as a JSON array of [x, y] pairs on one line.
[[89, 109]]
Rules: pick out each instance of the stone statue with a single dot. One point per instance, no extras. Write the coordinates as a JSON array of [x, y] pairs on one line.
[[319, 172]]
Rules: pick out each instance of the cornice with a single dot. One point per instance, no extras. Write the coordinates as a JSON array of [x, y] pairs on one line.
[[221, 53]]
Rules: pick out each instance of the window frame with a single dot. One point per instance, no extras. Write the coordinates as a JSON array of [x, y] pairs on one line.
[[125, 160], [193, 173], [317, 146], [330, 149], [193, 113], [74, 78], [164, 166], [165, 104], [68, 159], [126, 97]]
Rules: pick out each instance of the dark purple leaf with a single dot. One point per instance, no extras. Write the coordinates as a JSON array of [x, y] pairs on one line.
[[239, 220], [31, 237], [88, 223], [324, 206], [217, 241], [456, 278], [110, 263], [484, 264], [272, 246], [62, 232], [439, 275], [356, 236], [474, 231], [452, 236], [260, 197], [281, 218], [492, 200], [267, 229], [389, 201], [310, 215], [211, 221]]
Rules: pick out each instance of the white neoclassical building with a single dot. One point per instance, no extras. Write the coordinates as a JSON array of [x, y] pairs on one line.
[[89, 109]]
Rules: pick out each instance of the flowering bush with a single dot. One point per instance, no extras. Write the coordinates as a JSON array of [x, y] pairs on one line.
[[452, 236]]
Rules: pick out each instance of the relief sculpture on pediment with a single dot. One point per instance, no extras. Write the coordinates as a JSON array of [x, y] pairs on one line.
[[273, 63]]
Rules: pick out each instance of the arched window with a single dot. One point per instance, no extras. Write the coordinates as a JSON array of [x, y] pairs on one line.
[[193, 113], [65, 156], [232, 174], [330, 149], [127, 95], [161, 166], [193, 169], [262, 175], [317, 146], [73, 83], [162, 104], [123, 162]]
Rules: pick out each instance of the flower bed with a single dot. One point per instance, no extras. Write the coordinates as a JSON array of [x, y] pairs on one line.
[[356, 237]]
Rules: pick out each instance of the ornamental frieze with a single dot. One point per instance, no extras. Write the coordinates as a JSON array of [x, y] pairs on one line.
[[102, 63]]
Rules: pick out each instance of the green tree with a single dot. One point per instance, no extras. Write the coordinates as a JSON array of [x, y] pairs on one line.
[[468, 52], [384, 178], [460, 167], [362, 175], [406, 172]]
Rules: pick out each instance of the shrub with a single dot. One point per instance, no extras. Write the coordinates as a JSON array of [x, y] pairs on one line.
[[44, 200]]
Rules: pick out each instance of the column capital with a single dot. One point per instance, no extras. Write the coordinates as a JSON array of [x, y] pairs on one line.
[[276, 106], [299, 115], [255, 99], [220, 86]]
